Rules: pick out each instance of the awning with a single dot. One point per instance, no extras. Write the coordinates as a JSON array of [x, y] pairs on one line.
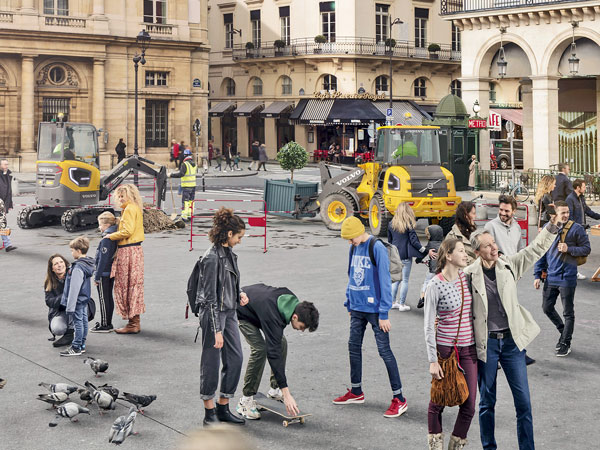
[[299, 109], [316, 111], [399, 109], [516, 115], [248, 109], [221, 108], [276, 109], [354, 112]]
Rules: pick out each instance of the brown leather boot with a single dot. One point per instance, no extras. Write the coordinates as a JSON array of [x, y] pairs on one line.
[[132, 327]]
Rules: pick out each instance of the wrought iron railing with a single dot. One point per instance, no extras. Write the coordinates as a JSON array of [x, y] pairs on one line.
[[346, 46], [465, 6]]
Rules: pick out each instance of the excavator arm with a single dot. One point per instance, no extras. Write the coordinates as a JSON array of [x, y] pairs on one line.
[[115, 177]]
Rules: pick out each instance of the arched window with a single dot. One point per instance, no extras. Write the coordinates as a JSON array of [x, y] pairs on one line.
[[420, 87], [330, 83], [229, 87], [286, 85], [257, 86], [381, 84], [456, 88]]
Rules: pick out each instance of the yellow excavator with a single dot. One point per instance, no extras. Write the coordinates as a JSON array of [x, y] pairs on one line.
[[69, 186], [406, 168]]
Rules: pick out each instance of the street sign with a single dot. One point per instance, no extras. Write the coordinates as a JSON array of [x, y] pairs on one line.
[[389, 112], [477, 123], [510, 126], [197, 83], [495, 121]]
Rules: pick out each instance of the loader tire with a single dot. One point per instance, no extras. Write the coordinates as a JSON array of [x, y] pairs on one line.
[[335, 209], [378, 216]]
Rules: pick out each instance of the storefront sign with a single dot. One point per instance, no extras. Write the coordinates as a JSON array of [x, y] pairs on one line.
[[495, 121], [336, 94], [477, 123]]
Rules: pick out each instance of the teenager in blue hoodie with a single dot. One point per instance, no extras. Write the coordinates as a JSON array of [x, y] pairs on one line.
[[368, 301], [105, 254], [77, 293], [560, 264]]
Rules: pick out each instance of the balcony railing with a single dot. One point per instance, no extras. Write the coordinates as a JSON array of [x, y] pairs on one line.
[[6, 16], [345, 46], [65, 21], [159, 29], [465, 6]]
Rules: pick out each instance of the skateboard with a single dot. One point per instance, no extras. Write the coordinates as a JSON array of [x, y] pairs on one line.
[[265, 403]]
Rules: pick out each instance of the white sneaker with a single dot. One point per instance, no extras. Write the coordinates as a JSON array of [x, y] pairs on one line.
[[403, 307], [581, 276], [396, 305], [275, 394], [247, 408]]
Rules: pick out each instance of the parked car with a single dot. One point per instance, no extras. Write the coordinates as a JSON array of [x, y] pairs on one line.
[[501, 150]]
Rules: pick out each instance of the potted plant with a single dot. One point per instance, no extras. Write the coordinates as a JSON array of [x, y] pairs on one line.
[[249, 48], [389, 46], [433, 50], [319, 40], [279, 45]]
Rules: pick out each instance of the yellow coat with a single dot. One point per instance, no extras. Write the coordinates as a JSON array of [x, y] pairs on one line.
[[131, 226]]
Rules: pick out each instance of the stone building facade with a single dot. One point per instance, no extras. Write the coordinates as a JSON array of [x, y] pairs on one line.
[[75, 57]]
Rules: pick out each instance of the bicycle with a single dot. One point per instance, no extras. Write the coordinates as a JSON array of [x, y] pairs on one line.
[[518, 191]]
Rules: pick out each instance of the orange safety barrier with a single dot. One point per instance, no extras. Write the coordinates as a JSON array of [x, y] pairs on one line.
[[257, 220], [523, 223]]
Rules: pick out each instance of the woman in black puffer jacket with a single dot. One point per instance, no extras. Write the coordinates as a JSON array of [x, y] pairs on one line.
[[53, 289]]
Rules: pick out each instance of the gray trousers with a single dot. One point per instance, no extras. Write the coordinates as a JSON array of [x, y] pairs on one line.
[[230, 355]]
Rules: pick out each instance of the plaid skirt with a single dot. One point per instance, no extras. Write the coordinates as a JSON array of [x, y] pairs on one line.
[[128, 272]]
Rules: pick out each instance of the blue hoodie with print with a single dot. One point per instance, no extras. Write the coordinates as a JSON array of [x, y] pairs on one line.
[[369, 288]]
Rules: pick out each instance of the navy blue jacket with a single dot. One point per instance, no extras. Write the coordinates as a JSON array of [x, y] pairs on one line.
[[579, 209], [104, 254], [562, 267], [408, 243], [77, 284], [563, 187]]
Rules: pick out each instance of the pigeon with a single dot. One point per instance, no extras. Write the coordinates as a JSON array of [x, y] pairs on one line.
[[55, 398], [113, 391], [122, 427], [138, 400], [103, 399], [85, 395], [68, 410], [97, 365], [59, 387]]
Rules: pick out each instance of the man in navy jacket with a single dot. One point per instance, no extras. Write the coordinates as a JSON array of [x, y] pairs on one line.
[[563, 185], [577, 205], [561, 266]]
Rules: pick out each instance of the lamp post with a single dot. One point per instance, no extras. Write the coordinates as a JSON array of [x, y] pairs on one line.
[[574, 60], [396, 21], [476, 108], [502, 63], [143, 39]]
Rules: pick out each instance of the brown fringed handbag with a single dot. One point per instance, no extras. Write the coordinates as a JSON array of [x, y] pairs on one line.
[[452, 389]]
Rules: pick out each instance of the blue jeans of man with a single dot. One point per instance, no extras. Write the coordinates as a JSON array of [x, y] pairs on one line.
[[513, 364], [80, 324], [567, 296], [6, 241], [358, 323], [407, 265]]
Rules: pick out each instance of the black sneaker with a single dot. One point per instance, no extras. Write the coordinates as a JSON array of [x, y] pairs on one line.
[[71, 351], [557, 347], [421, 303], [564, 350], [10, 248], [101, 329]]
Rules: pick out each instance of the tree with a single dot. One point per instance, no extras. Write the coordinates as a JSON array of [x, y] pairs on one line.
[[292, 156]]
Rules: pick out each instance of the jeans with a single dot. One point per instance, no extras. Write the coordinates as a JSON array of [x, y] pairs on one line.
[[6, 241], [428, 278], [80, 323], [358, 324], [407, 263], [512, 361], [567, 296], [466, 411]]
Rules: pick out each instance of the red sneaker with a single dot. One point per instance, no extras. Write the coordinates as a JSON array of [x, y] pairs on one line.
[[349, 397], [397, 408]]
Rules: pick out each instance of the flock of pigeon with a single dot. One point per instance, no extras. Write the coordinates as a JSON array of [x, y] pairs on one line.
[[104, 397]]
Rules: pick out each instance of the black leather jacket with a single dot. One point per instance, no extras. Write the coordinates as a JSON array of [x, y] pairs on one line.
[[219, 289]]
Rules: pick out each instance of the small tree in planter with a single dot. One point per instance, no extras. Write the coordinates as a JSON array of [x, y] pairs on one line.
[[292, 156], [279, 45], [249, 48], [319, 40], [433, 50]]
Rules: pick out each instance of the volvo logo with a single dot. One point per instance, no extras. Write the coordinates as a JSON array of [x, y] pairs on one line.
[[429, 186], [349, 177]]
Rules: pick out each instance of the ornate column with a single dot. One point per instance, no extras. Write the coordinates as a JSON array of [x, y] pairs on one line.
[[545, 115], [27, 104], [478, 89], [98, 98], [526, 94]]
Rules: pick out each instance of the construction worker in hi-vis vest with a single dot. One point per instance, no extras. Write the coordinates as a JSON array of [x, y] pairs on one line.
[[187, 173]]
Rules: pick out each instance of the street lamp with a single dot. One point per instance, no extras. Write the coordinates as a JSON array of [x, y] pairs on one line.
[[476, 108], [396, 21], [502, 63], [574, 60], [143, 40]]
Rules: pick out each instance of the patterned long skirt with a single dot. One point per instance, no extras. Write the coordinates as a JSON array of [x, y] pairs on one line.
[[128, 272]]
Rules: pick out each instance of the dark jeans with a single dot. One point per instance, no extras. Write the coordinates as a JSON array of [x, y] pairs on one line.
[[187, 194], [358, 324], [466, 411], [80, 324], [107, 304], [567, 296], [513, 364], [230, 355], [257, 358]]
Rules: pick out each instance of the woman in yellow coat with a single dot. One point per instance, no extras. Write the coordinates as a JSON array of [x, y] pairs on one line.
[[128, 267]]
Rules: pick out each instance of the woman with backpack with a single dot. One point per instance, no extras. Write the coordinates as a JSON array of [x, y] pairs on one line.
[[218, 297]]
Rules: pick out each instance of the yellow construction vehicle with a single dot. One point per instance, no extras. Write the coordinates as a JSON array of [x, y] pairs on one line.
[[406, 168]]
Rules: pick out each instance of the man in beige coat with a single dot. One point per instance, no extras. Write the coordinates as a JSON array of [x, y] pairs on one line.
[[503, 328]]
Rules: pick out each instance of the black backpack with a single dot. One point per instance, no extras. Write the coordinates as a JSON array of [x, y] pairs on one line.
[[192, 286]]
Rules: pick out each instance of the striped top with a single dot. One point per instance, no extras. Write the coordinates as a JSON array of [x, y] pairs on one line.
[[442, 304]]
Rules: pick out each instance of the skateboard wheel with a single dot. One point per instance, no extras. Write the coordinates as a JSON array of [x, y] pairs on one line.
[[302, 420], [285, 423]]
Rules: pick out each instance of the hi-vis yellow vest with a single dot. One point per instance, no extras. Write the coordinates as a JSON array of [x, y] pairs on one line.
[[189, 179]]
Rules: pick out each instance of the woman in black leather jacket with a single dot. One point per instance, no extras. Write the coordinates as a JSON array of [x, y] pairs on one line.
[[53, 289], [218, 296]]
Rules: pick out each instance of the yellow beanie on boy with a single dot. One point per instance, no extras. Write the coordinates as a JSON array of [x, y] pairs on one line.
[[352, 228]]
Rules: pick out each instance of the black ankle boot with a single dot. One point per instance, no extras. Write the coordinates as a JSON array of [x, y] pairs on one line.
[[224, 415], [65, 340], [209, 417]]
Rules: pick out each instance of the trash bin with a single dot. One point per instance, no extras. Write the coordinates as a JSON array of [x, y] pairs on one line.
[[287, 199]]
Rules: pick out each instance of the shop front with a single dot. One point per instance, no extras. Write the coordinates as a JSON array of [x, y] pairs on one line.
[[223, 124], [252, 126], [278, 128]]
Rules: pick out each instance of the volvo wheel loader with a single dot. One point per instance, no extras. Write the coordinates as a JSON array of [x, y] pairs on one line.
[[406, 169], [69, 187]]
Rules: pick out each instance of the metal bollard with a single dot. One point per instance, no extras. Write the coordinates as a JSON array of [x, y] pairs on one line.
[[15, 187]]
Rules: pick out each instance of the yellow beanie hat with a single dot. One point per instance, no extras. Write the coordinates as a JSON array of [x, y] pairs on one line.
[[352, 228]]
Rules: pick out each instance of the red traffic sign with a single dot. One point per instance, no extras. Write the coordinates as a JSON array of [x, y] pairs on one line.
[[477, 123]]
